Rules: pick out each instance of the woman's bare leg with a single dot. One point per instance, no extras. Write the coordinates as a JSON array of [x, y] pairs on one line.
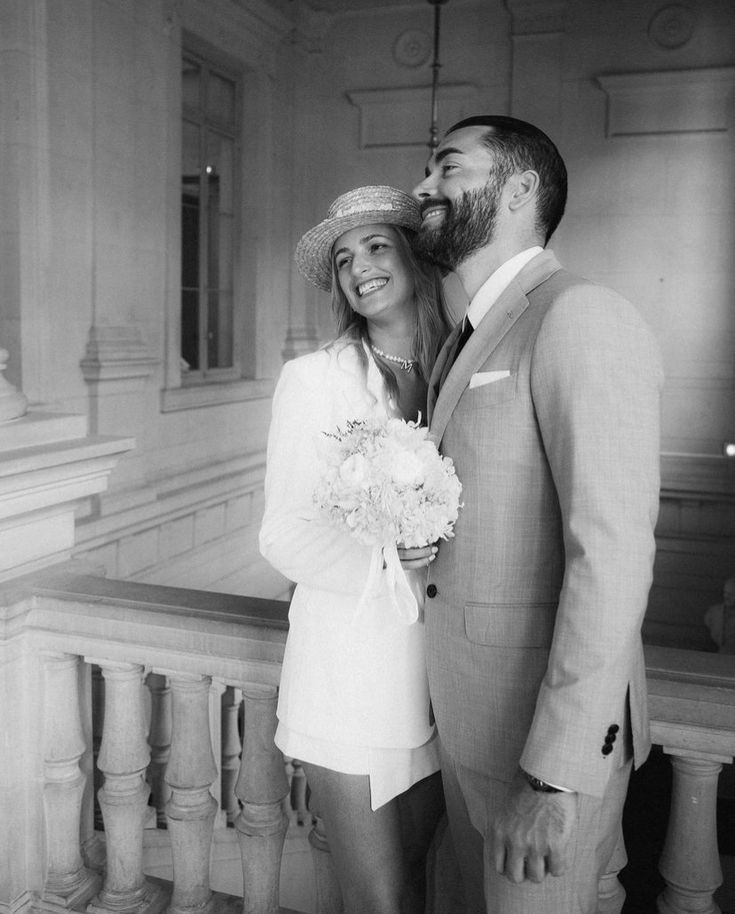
[[365, 844]]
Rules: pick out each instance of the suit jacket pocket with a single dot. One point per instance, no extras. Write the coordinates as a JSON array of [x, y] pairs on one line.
[[485, 396], [510, 624]]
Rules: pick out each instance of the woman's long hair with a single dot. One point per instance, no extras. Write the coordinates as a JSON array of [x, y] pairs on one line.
[[432, 317]]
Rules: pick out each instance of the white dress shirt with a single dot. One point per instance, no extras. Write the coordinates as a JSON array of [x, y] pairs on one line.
[[490, 291]]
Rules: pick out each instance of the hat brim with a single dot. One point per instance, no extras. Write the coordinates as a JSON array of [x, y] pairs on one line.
[[313, 253]]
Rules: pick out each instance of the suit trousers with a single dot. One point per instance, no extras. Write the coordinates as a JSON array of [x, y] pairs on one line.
[[472, 799]]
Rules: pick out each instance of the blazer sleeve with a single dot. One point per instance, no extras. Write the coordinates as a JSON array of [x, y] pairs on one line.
[[596, 378], [292, 537]]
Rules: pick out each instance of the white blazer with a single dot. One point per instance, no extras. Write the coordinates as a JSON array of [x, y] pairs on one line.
[[354, 677]]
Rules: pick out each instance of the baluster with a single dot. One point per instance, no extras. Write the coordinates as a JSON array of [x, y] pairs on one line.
[[262, 788], [68, 882], [123, 759], [690, 862], [231, 749], [299, 792], [159, 739], [191, 808], [328, 894]]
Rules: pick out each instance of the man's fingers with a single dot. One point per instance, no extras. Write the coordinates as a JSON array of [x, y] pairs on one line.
[[536, 867], [558, 862]]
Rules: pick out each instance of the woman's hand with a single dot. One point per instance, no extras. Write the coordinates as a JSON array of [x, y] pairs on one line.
[[418, 557]]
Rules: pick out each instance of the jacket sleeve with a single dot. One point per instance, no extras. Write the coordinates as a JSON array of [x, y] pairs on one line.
[[292, 537], [596, 379]]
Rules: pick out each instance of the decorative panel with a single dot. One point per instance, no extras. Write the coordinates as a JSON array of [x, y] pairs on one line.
[[402, 117], [672, 101]]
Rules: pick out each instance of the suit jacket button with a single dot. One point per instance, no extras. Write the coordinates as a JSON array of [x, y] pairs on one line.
[[609, 739], [431, 591], [612, 729], [607, 749]]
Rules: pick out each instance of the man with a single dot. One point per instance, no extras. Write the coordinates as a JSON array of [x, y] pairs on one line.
[[550, 411]]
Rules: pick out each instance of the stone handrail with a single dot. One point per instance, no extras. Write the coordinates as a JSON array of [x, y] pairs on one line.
[[692, 710], [168, 668], [193, 647]]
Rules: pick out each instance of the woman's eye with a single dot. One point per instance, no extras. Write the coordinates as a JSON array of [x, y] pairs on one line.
[[378, 246], [342, 263]]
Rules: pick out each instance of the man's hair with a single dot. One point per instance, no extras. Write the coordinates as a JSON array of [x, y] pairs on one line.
[[519, 146]]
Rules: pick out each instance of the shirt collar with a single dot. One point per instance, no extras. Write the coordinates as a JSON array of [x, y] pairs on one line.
[[496, 283]]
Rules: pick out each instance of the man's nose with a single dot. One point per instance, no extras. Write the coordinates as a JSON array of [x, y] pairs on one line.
[[424, 189]]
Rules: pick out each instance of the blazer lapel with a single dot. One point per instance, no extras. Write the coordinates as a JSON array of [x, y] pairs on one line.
[[511, 303]]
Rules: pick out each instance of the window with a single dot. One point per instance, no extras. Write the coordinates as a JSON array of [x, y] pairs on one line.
[[209, 168]]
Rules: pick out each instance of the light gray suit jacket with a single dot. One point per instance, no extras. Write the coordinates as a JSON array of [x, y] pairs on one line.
[[533, 630]]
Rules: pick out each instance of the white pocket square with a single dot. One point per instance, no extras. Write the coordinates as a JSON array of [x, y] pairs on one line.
[[487, 377]]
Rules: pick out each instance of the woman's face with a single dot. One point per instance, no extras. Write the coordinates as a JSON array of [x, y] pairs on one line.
[[373, 272]]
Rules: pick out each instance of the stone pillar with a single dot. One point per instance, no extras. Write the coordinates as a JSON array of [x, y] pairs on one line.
[[159, 739], [299, 792], [68, 883], [262, 788], [231, 749], [191, 808], [690, 862], [123, 758]]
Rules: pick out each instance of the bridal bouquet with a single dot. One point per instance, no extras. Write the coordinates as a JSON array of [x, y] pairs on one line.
[[386, 483]]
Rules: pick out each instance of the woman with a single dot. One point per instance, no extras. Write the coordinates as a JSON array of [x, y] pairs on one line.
[[353, 704]]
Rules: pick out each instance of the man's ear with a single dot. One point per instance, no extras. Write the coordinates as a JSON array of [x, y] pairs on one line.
[[523, 187]]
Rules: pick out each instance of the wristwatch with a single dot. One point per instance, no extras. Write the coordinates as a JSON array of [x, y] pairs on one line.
[[538, 785]]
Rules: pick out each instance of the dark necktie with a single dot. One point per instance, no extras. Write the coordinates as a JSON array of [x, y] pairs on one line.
[[466, 333]]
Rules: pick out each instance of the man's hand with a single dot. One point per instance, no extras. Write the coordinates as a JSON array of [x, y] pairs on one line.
[[532, 835]]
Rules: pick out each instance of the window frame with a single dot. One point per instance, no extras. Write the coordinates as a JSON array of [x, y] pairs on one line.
[[211, 62]]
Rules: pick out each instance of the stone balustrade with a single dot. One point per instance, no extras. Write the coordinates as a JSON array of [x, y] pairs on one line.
[[162, 702], [184, 704]]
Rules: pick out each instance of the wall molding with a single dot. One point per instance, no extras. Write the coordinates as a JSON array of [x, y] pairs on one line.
[[400, 116], [669, 101]]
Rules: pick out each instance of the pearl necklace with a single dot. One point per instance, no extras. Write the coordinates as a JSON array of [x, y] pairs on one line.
[[405, 364]]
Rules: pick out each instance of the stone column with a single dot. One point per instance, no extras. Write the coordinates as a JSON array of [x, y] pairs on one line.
[[191, 808], [690, 862], [68, 883], [159, 739], [123, 758], [262, 788], [231, 749]]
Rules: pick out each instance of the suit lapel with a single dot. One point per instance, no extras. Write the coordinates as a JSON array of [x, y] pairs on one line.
[[441, 367], [454, 378]]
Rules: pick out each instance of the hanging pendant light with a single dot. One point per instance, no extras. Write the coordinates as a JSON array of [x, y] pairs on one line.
[[435, 66]]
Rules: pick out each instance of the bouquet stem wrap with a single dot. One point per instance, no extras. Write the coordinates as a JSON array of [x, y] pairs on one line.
[[400, 592]]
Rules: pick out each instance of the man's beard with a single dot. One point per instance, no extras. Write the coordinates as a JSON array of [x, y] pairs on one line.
[[468, 225]]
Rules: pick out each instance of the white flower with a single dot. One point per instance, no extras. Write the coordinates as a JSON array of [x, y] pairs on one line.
[[385, 482]]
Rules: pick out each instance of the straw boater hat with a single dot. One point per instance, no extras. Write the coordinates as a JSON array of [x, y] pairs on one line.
[[377, 204]]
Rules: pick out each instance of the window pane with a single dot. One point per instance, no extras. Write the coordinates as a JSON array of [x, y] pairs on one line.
[[221, 99], [190, 244], [209, 148], [190, 83], [219, 337], [190, 329]]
